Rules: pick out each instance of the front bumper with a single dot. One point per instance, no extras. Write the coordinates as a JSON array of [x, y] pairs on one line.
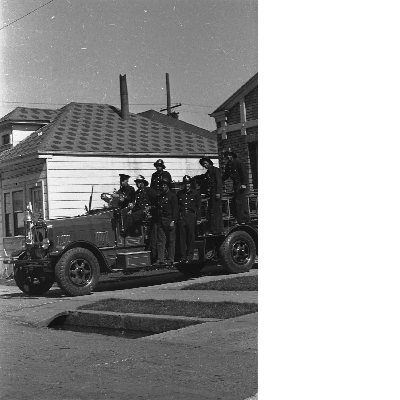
[[31, 263]]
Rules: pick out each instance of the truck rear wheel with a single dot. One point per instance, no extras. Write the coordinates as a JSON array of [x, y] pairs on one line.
[[77, 272], [32, 284], [238, 252]]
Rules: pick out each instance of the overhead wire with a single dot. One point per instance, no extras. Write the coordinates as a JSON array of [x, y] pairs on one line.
[[131, 104], [30, 12]]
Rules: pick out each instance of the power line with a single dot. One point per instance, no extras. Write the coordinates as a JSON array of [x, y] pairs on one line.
[[30, 12], [199, 105], [63, 104]]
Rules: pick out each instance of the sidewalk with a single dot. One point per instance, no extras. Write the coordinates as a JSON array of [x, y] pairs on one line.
[[49, 309], [216, 359]]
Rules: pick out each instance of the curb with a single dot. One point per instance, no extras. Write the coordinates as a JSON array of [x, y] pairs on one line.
[[129, 321]]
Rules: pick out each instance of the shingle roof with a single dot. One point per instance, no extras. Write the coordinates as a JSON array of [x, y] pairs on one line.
[[177, 123], [98, 128], [30, 114]]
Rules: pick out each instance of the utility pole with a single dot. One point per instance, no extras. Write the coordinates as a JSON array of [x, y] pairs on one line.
[[169, 108]]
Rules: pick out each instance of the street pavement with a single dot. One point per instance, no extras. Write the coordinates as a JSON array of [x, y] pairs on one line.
[[213, 360]]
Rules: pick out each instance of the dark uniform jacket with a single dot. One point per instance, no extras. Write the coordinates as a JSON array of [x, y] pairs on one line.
[[167, 205], [128, 194], [214, 180], [157, 177], [189, 202], [144, 197], [234, 169]]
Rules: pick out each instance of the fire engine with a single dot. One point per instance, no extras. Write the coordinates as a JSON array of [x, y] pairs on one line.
[[75, 251]]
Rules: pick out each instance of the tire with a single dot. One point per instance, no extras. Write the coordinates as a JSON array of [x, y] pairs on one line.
[[30, 284], [77, 272], [238, 252], [190, 269]]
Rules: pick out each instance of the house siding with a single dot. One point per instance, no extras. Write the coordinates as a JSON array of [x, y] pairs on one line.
[[70, 179]]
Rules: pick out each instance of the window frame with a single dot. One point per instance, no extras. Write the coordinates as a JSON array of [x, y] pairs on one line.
[[37, 188], [12, 219]]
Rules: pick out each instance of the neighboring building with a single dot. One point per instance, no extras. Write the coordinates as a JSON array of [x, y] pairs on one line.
[[237, 127], [19, 123], [79, 148]]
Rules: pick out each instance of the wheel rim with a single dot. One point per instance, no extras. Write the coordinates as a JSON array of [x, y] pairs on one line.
[[80, 272], [241, 252]]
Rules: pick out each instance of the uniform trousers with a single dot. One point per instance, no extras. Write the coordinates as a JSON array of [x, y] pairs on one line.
[[240, 206], [164, 236], [187, 233], [215, 210]]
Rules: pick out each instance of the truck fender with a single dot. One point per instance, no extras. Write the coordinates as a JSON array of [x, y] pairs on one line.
[[55, 255]]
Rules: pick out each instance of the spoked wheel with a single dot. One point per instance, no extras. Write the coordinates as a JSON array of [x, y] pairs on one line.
[[238, 252], [32, 284], [77, 272]]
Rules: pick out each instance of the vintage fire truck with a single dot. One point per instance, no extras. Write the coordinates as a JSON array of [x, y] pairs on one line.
[[75, 251]]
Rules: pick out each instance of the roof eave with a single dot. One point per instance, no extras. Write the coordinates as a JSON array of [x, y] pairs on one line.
[[19, 157], [234, 98], [48, 154]]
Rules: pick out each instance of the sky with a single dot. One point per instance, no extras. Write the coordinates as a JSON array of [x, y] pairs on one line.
[[75, 50]]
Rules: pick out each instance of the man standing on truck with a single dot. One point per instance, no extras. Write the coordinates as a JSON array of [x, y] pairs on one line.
[[164, 226], [214, 184], [236, 171], [159, 175], [189, 202]]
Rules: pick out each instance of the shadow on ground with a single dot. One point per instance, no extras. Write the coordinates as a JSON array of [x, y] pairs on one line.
[[119, 281]]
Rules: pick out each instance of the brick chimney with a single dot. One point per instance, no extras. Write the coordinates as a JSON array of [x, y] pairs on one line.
[[124, 97]]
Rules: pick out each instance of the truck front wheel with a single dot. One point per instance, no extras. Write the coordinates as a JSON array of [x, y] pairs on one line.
[[77, 272], [32, 284], [238, 252]]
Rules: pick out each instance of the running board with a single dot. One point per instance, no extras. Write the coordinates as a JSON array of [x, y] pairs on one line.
[[133, 260]]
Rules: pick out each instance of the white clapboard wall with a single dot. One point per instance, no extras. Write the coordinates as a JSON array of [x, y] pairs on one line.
[[70, 179]]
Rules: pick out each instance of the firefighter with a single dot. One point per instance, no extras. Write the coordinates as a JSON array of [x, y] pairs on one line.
[[126, 192], [164, 225], [159, 175], [189, 202], [144, 199], [126, 195], [236, 171], [214, 185]]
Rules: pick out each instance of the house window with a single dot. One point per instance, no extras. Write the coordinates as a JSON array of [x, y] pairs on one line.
[[18, 212], [37, 202], [5, 139], [7, 216], [14, 213]]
